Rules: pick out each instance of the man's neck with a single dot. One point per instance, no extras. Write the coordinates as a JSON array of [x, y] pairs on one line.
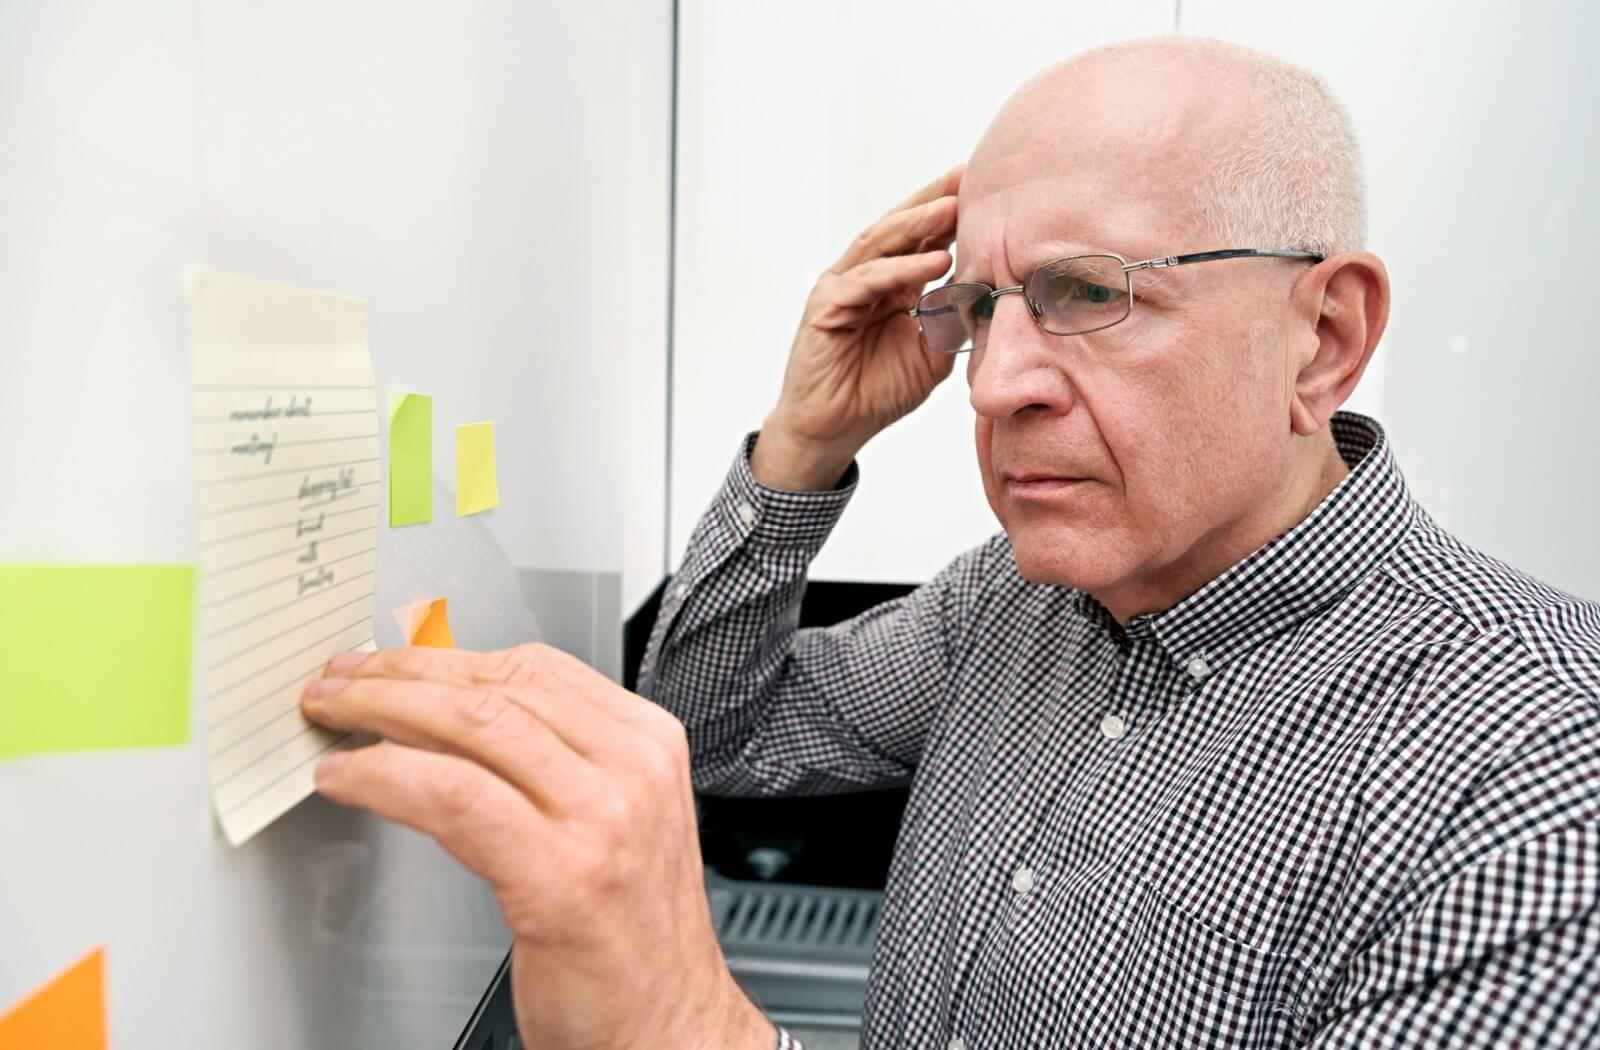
[[1224, 547]]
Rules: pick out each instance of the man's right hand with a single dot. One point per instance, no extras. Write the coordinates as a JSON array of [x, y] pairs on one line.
[[858, 363]]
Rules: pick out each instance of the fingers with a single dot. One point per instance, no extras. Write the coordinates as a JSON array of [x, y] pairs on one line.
[[911, 229], [482, 724], [534, 671], [480, 819], [849, 296], [584, 709]]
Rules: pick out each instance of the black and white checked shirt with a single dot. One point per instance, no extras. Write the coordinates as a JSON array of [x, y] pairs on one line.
[[1345, 795]]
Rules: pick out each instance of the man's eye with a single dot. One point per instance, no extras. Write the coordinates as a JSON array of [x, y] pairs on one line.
[[1096, 293], [983, 308]]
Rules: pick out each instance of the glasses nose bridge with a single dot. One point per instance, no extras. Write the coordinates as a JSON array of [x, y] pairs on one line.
[[1018, 289]]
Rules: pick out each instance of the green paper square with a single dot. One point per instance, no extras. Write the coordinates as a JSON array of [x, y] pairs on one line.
[[94, 656], [410, 458]]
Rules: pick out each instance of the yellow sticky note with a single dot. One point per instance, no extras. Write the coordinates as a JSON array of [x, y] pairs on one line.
[[477, 487], [426, 624], [94, 656], [69, 1013]]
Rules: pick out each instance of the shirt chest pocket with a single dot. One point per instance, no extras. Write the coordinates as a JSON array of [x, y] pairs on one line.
[[1187, 983]]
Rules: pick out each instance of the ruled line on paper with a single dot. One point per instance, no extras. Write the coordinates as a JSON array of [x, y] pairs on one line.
[[289, 470], [271, 502], [319, 643], [283, 579], [299, 545], [298, 676], [302, 729], [256, 644], [337, 412], [285, 460], [232, 449], [277, 526], [235, 807], [219, 632]]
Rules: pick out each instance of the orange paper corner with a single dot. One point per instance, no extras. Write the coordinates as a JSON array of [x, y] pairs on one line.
[[68, 1013], [434, 630]]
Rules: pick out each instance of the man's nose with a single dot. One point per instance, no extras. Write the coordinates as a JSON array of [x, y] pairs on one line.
[[1020, 366]]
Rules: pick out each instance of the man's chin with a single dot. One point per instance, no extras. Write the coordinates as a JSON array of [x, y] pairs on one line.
[[1063, 559]]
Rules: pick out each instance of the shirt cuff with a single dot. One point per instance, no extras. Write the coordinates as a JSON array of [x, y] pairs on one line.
[[769, 517]]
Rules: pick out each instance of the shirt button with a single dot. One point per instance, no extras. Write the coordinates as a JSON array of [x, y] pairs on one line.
[[1022, 881], [747, 513], [1197, 667], [956, 1043], [1112, 727]]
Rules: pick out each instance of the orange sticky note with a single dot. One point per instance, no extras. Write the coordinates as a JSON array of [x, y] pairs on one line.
[[69, 1013], [426, 624]]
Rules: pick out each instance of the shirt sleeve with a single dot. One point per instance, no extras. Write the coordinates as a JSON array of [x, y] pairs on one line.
[[774, 709], [1496, 941], [787, 1041]]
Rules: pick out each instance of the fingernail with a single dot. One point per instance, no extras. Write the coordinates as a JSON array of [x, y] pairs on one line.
[[320, 687], [330, 765], [345, 662]]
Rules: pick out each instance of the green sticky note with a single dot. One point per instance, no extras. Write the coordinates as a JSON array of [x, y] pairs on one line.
[[477, 487], [94, 656], [410, 458]]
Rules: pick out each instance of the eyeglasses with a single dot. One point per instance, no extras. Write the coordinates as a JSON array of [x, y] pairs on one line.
[[1083, 293]]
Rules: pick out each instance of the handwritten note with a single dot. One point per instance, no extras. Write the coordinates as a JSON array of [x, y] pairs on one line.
[[410, 458], [287, 475], [68, 1013], [426, 624], [94, 656], [477, 487]]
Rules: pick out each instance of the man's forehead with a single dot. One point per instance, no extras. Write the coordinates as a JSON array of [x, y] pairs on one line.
[[1014, 235]]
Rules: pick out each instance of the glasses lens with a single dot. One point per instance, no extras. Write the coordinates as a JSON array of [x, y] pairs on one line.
[[1080, 294], [955, 318]]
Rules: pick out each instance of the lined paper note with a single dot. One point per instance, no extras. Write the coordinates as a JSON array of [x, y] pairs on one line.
[[477, 487], [68, 1013], [286, 470], [410, 458], [94, 656]]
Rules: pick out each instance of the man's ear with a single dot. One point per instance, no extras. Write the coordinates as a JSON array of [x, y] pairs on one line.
[[1348, 296]]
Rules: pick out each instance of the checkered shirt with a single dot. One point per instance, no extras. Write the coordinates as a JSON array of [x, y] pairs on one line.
[[1347, 794]]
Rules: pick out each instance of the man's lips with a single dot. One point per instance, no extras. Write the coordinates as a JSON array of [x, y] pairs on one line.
[[1030, 477], [1032, 483]]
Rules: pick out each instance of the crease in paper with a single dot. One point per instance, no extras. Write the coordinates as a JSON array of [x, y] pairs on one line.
[[288, 489], [426, 623]]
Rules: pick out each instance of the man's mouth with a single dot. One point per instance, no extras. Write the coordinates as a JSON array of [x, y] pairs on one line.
[[1033, 483]]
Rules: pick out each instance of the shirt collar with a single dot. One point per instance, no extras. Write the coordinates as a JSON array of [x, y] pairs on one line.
[[1307, 568]]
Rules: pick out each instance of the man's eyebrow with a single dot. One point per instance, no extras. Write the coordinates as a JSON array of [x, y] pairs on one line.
[[1033, 258]]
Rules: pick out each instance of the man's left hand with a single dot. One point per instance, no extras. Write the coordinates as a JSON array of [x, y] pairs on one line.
[[571, 796]]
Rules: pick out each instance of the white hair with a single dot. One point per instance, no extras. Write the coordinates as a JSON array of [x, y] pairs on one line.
[[1294, 178]]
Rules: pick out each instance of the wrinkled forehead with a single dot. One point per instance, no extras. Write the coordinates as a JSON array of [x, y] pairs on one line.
[[1004, 231], [1092, 159]]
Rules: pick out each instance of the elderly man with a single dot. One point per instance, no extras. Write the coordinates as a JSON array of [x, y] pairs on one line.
[[1222, 742]]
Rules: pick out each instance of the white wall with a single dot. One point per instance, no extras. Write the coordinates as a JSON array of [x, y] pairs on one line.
[[486, 175], [799, 126]]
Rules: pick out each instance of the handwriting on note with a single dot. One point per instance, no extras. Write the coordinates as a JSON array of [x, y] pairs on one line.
[[288, 491]]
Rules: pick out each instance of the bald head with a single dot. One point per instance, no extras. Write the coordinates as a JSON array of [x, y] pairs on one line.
[[1138, 458], [1232, 146]]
